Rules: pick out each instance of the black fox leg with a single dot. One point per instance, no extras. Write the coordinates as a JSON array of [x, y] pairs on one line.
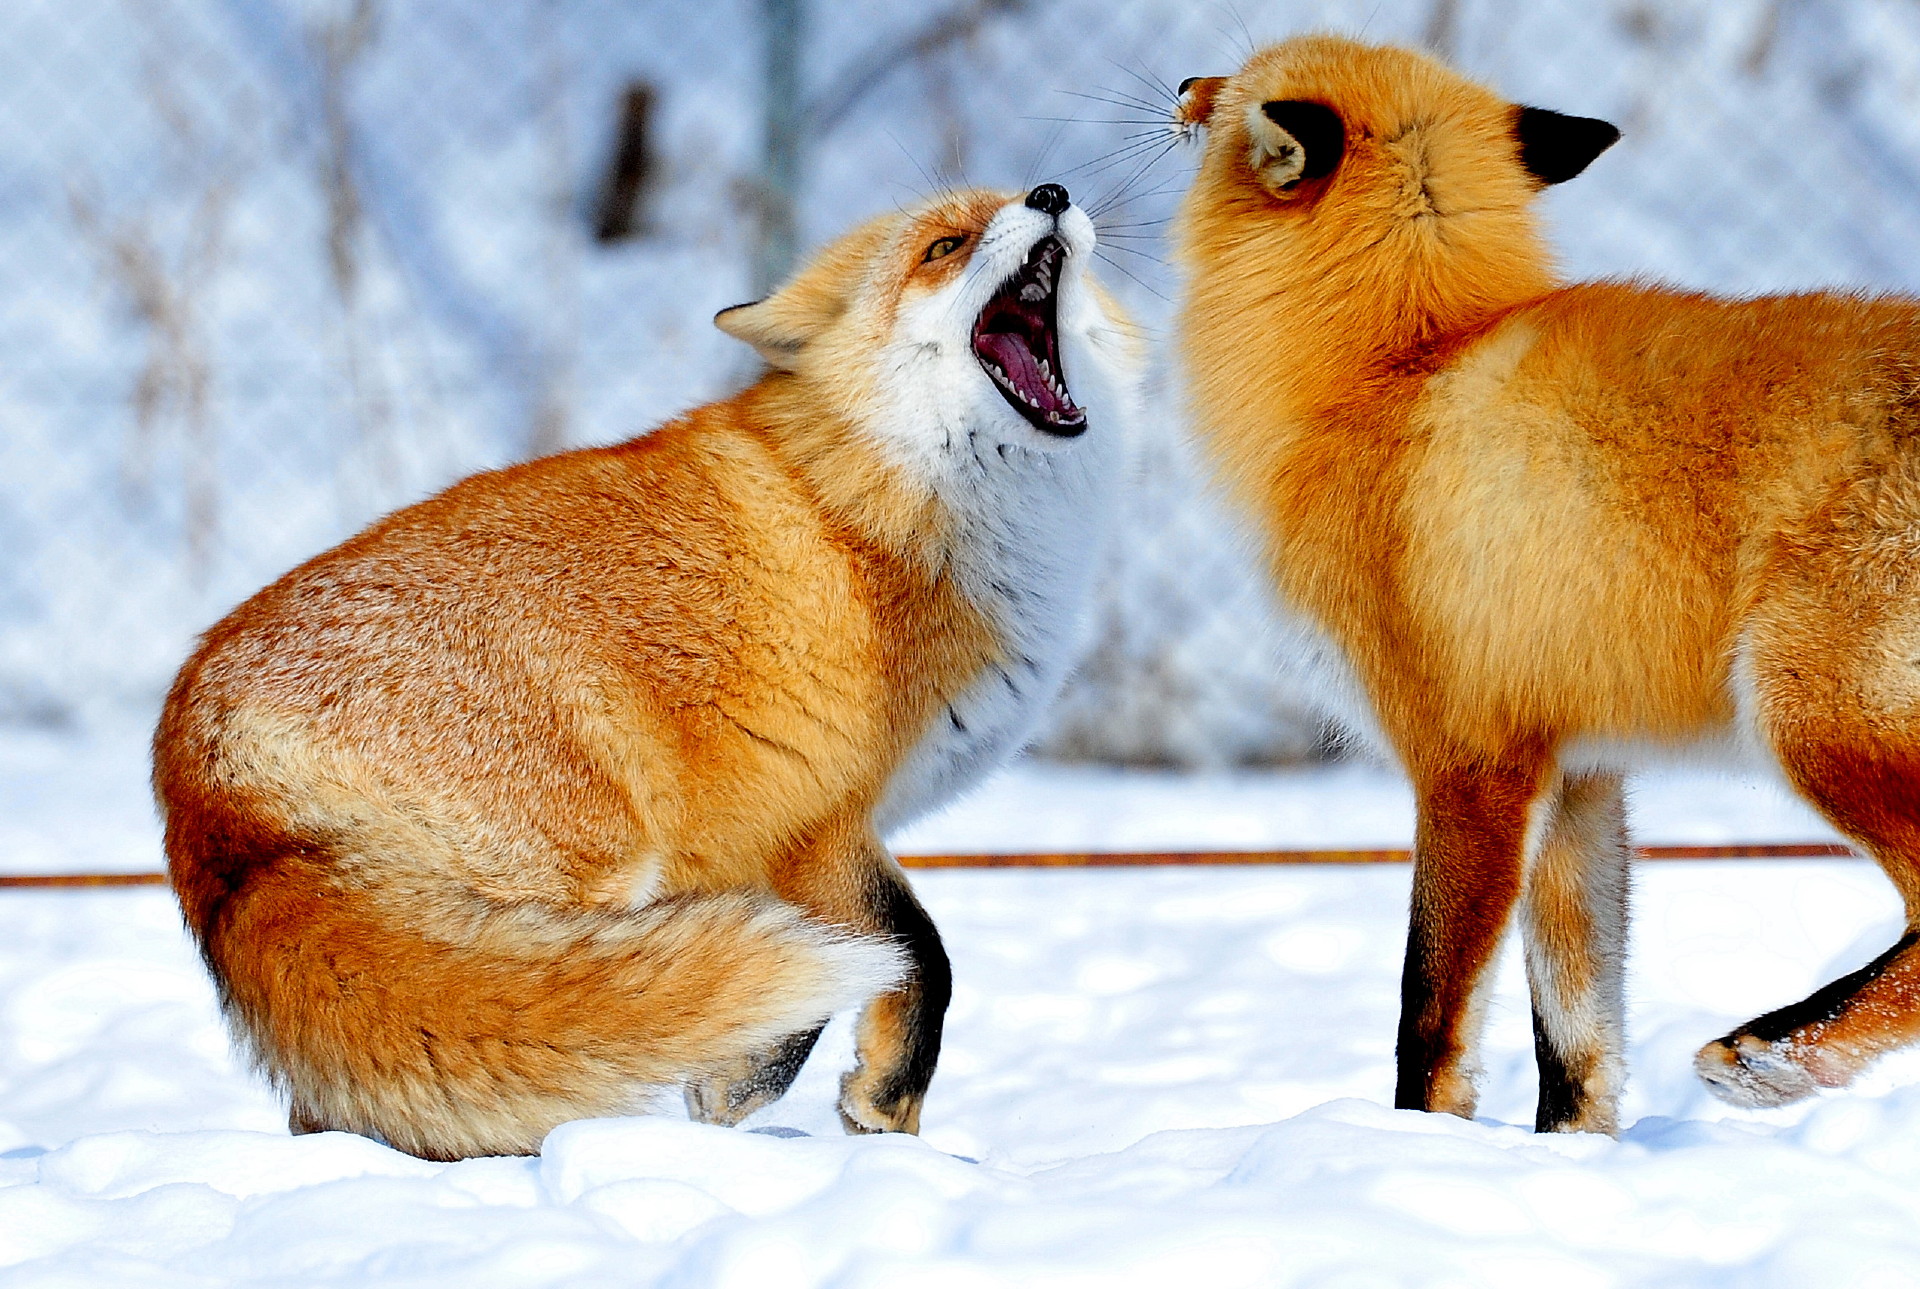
[[854, 883], [899, 1033], [1574, 923], [1469, 852], [727, 1096]]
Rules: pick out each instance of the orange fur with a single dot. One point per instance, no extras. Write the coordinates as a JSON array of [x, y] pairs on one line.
[[559, 787], [1546, 524]]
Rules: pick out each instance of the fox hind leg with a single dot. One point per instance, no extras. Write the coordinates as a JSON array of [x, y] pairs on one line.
[[302, 1120], [1574, 925], [1833, 663], [1824, 1040], [727, 1096], [1829, 1037]]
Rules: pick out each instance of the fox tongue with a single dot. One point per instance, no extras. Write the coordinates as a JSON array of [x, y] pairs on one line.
[[1011, 354]]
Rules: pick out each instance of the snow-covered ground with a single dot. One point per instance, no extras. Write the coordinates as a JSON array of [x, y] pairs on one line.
[[1151, 1077]]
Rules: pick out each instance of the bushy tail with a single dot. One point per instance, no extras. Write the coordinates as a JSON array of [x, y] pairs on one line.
[[451, 1025]]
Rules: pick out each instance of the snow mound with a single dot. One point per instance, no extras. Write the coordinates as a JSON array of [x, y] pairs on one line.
[[1345, 1193]]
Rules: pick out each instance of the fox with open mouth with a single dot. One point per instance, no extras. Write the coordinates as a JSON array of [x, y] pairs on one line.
[[569, 784]]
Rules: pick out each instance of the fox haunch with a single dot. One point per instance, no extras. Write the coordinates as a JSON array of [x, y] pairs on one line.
[[1548, 530], [567, 785]]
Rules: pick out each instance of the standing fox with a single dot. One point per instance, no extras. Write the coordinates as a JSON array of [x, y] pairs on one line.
[[568, 784], [1548, 527]]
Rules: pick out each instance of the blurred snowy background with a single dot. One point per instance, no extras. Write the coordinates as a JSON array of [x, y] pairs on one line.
[[271, 267]]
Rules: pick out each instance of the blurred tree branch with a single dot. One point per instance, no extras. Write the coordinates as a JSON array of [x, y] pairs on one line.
[[874, 67]]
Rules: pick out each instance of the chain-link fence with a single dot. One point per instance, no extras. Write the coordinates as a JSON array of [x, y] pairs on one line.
[[268, 268]]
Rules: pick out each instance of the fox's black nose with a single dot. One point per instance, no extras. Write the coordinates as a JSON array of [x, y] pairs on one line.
[[1051, 199]]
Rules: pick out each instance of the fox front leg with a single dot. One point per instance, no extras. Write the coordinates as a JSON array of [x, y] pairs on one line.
[[1574, 925], [897, 1038], [1469, 854]]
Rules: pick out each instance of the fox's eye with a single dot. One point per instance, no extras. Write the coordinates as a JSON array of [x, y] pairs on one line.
[[942, 248]]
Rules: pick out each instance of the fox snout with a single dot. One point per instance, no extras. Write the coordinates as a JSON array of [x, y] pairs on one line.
[[1016, 336]]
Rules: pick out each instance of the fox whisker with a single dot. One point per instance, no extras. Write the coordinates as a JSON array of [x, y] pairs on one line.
[[1120, 193], [1155, 86], [1120, 156], [1125, 101], [1124, 271]]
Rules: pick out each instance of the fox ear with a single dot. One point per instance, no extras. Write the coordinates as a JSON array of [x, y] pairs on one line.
[[781, 326], [1554, 147], [1196, 98], [775, 337], [807, 306], [1294, 139]]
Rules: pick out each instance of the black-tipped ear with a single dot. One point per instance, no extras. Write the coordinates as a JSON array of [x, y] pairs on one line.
[[1554, 147], [1194, 99], [1316, 128]]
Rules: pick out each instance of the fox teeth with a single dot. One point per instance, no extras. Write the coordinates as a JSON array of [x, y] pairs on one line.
[[1006, 382]]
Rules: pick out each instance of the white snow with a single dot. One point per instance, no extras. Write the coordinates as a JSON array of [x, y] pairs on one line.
[[1152, 1077]]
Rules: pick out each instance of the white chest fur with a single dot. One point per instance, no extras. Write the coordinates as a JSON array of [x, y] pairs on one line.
[[1033, 523], [1028, 558], [1030, 504]]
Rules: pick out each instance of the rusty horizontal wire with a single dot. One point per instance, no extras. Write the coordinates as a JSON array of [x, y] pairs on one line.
[[1101, 859], [1146, 859]]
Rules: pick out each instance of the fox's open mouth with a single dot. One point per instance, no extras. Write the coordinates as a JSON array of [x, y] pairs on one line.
[[1018, 343]]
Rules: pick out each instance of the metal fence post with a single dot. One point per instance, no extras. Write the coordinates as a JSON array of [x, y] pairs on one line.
[[783, 27]]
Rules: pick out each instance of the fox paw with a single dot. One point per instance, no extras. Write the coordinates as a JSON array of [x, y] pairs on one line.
[[874, 1103], [726, 1096], [1744, 1070], [301, 1121], [722, 1099]]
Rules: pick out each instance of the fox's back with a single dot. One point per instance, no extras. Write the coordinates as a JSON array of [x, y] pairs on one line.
[[1702, 392], [1566, 510], [1666, 436], [570, 667]]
